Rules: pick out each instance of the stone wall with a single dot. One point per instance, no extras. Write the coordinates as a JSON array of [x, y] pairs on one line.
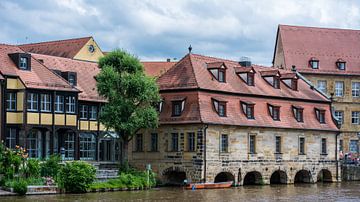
[[350, 172]]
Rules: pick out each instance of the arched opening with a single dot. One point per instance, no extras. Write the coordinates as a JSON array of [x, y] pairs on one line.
[[303, 176], [174, 178], [224, 177], [324, 176], [253, 178], [278, 177]]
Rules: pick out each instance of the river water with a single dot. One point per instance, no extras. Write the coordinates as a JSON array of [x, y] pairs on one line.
[[345, 191]]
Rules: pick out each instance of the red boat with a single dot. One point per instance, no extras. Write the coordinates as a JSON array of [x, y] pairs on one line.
[[218, 185]]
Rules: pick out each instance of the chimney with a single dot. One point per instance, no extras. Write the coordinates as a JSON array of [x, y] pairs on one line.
[[245, 62], [168, 60]]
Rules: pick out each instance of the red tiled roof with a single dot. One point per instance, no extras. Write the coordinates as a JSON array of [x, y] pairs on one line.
[[272, 72], [157, 69], [191, 73], [40, 77], [214, 64], [300, 44], [240, 69], [85, 71], [67, 48]]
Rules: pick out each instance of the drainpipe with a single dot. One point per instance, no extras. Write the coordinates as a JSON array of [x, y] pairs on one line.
[[204, 134], [336, 155]]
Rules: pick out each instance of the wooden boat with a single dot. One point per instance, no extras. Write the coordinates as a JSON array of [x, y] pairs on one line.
[[218, 185]]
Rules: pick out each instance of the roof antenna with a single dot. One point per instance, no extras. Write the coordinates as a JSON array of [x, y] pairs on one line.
[[190, 48]]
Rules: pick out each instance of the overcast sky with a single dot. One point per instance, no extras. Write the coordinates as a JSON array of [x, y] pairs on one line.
[[160, 29]]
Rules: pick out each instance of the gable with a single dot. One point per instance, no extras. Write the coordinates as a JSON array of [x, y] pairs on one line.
[[88, 53]]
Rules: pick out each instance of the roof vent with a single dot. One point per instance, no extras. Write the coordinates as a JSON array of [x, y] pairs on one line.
[[245, 62]]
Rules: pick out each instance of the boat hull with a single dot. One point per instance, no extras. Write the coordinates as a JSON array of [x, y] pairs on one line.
[[220, 185]]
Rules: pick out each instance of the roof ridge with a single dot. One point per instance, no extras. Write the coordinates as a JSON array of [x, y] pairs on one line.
[[193, 71], [76, 60], [177, 63], [323, 28], [55, 41]]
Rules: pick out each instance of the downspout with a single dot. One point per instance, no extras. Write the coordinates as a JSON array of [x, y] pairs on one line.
[[205, 128], [336, 156]]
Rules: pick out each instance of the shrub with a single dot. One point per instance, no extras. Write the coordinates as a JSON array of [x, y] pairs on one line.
[[77, 176], [20, 187], [32, 168], [51, 167]]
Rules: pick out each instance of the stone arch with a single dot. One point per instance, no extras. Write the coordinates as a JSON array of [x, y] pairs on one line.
[[324, 176], [224, 177], [303, 176], [253, 178], [278, 177], [174, 176]]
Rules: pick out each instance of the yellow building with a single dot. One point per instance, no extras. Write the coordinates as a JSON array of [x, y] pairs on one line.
[[329, 58]]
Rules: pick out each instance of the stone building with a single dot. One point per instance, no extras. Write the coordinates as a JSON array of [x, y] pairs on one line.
[[329, 58], [222, 120]]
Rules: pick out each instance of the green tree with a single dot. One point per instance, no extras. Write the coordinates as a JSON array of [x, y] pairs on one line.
[[131, 96]]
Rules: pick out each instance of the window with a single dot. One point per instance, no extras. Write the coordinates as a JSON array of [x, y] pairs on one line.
[[341, 145], [320, 115], [278, 144], [221, 75], [224, 143], [45, 103], [355, 91], [23, 63], [10, 141], [248, 76], [353, 147], [298, 113], [174, 142], [59, 103], [87, 146], [33, 145], [252, 144], [178, 107], [70, 104], [314, 63], [191, 142], [32, 102], [218, 71], [10, 101], [83, 112], [339, 88], [274, 112], [322, 86], [341, 64], [220, 107], [139, 143], [276, 83], [72, 79], [323, 146], [248, 109], [301, 145], [93, 112], [69, 145], [250, 79], [159, 106], [355, 117], [154, 142], [339, 115]]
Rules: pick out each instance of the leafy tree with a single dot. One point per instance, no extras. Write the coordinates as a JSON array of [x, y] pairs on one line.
[[131, 96]]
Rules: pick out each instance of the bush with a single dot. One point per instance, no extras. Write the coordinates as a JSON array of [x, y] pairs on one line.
[[32, 168], [77, 176], [20, 187], [51, 167]]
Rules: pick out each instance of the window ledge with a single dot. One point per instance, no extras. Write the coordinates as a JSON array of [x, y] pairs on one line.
[[278, 153], [302, 154], [324, 154], [153, 151]]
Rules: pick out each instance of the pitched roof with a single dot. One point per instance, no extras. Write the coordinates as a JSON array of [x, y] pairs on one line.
[[40, 77], [67, 48], [300, 44], [157, 68], [85, 71], [191, 73]]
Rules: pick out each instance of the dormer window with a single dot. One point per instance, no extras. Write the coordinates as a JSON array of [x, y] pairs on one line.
[[21, 60], [247, 74], [23, 63], [70, 77], [248, 109], [341, 64], [220, 107], [290, 80], [320, 115], [274, 112], [178, 106], [272, 77], [314, 63], [159, 106], [298, 113], [218, 71]]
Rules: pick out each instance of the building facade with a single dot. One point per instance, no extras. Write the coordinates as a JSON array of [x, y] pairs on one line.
[[221, 120], [329, 59]]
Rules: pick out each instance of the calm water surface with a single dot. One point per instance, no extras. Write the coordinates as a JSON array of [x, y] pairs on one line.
[[345, 191]]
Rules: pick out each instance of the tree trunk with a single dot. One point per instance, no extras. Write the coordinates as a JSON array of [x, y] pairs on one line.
[[125, 152]]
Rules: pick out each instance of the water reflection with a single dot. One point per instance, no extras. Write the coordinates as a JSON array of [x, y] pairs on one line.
[[345, 191]]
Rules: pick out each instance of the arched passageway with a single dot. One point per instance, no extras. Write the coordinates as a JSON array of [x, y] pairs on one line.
[[303, 176], [174, 177], [253, 178], [224, 177], [324, 176], [278, 177]]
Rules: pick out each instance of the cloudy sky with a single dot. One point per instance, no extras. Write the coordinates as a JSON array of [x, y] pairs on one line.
[[160, 29]]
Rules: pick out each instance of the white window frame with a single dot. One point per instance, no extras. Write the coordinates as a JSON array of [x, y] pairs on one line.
[[355, 115], [339, 115], [11, 101], [70, 104], [45, 105], [23, 63], [32, 102], [87, 146], [322, 85], [92, 110], [355, 89], [59, 103], [84, 112], [69, 145], [11, 138], [339, 89]]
